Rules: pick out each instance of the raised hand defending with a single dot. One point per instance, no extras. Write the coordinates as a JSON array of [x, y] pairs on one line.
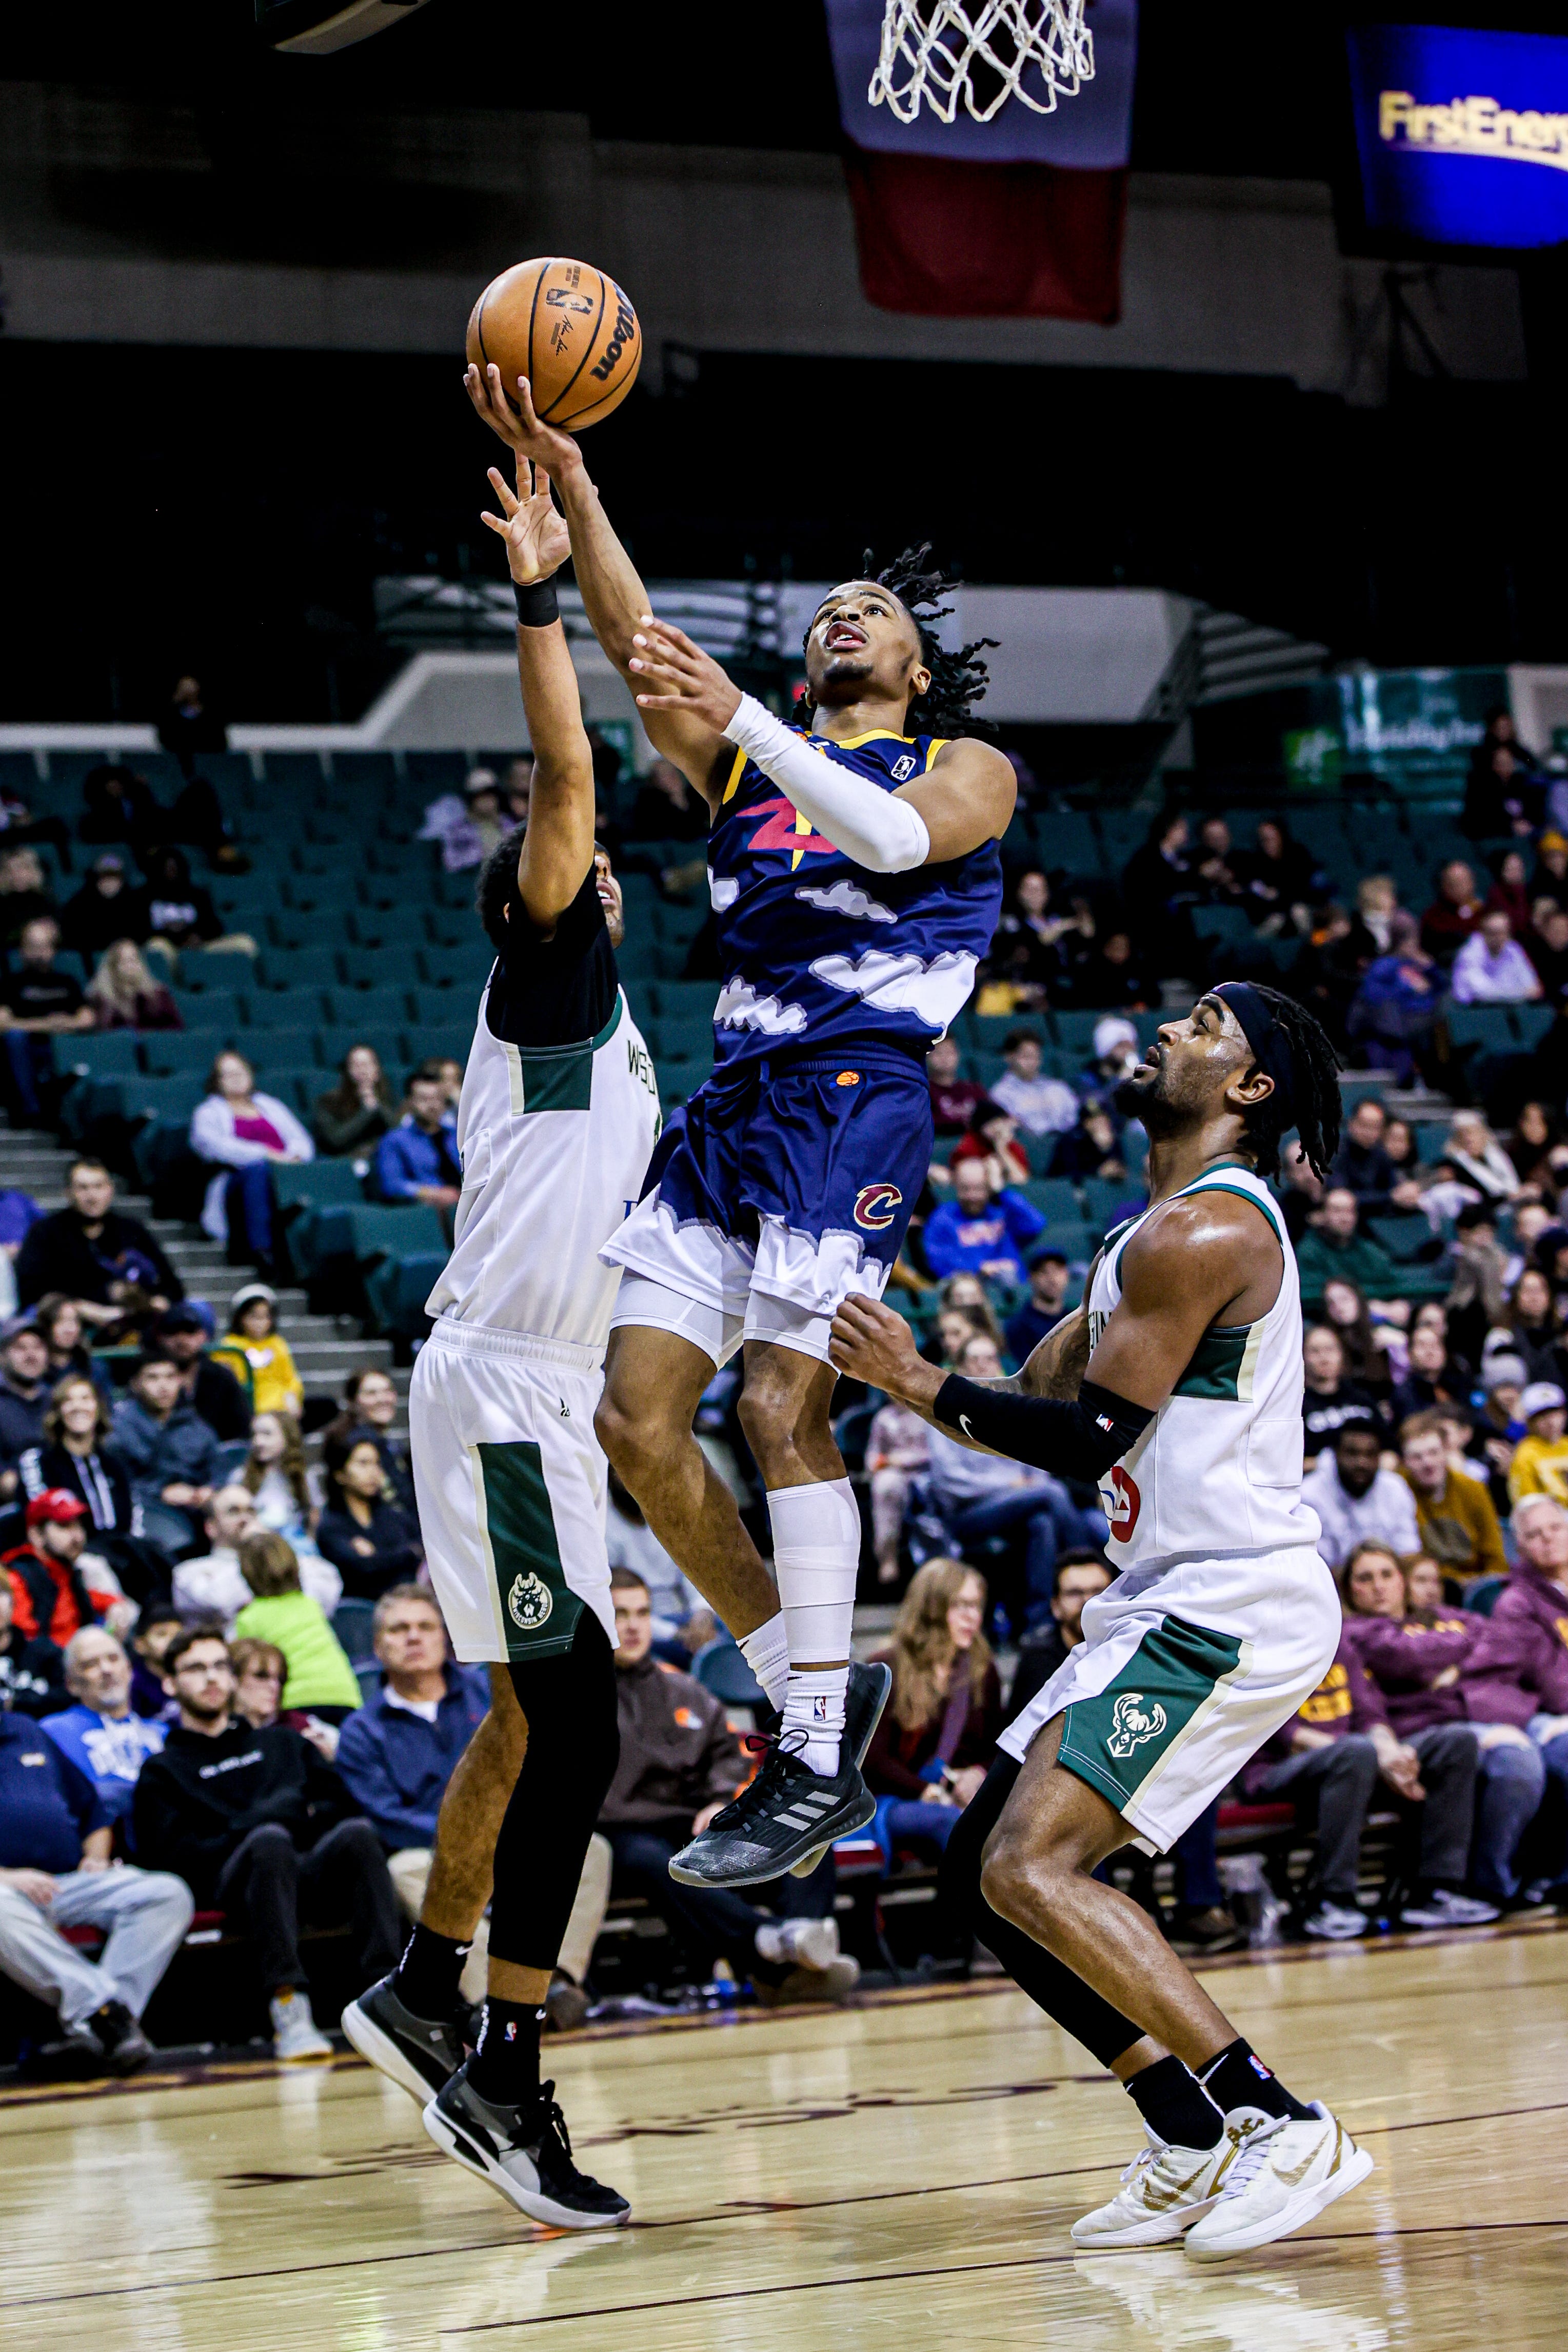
[[537, 542]]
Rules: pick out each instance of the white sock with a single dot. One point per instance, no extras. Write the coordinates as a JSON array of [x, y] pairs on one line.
[[816, 1556], [767, 1653]]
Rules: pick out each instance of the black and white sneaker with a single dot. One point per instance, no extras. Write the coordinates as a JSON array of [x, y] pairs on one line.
[[788, 1815], [524, 2153], [420, 2054], [870, 1685], [112, 2035]]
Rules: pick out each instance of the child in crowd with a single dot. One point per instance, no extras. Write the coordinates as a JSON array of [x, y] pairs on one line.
[[257, 1354], [320, 1680], [1540, 1465]]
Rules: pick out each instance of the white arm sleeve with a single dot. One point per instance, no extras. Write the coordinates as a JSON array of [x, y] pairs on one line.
[[870, 826]]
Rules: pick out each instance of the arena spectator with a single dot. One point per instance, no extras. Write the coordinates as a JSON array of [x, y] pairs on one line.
[[680, 1765], [1500, 793], [102, 1736], [24, 897], [123, 995], [1044, 1307], [681, 1615], [954, 1330], [1510, 894], [1454, 1515], [119, 805], [168, 1453], [1535, 1145], [1363, 1166], [982, 1495], [1530, 1328], [1281, 879], [57, 1585], [1031, 947], [274, 1476], [980, 1232], [352, 1118], [1546, 945], [253, 1822], [1329, 1400], [257, 1355], [370, 1541], [107, 1262], [1091, 1147], [37, 1003], [260, 1670], [518, 785], [58, 1320], [666, 807], [32, 1670], [321, 1681], [397, 1753], [1478, 1296], [1329, 967], [895, 1452], [77, 1458], [56, 1875], [1491, 968], [23, 1396], [240, 1134], [1155, 882], [1335, 1248], [1042, 1105], [1356, 1502], [102, 911], [1434, 1376], [952, 1098], [1416, 1650], [418, 1159], [1540, 1465], [1518, 1672], [209, 1584], [992, 1138], [969, 1292], [188, 726], [1079, 1575], [155, 1627], [1454, 913], [1365, 1343], [1393, 1013], [1474, 1153], [936, 1739], [208, 1386], [1113, 1055]]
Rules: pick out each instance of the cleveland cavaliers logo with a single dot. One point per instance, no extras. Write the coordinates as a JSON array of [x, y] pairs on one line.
[[529, 1602], [1133, 1720], [876, 1204]]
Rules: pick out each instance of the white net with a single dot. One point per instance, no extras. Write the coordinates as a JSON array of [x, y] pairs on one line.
[[982, 51]]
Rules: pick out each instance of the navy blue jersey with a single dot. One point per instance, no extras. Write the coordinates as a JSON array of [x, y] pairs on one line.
[[814, 949]]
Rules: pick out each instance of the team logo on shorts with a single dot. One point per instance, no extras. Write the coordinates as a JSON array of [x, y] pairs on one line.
[[1133, 1720], [1125, 1503], [529, 1602], [876, 1204]]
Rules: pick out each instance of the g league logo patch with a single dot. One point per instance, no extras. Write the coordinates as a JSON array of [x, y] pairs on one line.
[[1133, 1720], [876, 1204], [903, 768], [529, 1602]]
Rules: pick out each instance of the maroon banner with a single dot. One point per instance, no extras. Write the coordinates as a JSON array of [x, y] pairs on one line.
[[964, 240]]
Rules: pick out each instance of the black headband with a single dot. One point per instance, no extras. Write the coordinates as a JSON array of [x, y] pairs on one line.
[[1271, 1046]]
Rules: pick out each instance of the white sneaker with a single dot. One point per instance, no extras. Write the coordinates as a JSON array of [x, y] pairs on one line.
[[297, 2039], [799, 1943], [1163, 2191], [1335, 1922], [1443, 1908], [1279, 2174]]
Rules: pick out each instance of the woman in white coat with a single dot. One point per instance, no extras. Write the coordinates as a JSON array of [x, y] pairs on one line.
[[241, 1134]]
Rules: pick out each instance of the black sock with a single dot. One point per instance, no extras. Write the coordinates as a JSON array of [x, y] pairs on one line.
[[1238, 2077], [505, 2067], [427, 1974], [1174, 2104]]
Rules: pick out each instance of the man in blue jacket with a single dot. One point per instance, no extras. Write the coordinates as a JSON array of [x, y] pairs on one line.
[[418, 1161], [398, 1752]]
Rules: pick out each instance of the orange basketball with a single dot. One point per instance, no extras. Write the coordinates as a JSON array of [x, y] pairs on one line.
[[568, 329]]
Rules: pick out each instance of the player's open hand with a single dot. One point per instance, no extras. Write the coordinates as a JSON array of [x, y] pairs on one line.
[[681, 676], [537, 540], [514, 420], [869, 1342]]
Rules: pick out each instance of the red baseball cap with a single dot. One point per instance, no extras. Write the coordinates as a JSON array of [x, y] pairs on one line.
[[58, 1504]]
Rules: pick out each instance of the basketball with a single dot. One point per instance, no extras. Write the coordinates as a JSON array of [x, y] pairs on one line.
[[568, 329]]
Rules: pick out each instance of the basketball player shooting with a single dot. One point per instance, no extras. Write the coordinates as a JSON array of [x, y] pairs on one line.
[[1179, 1384], [559, 1113], [856, 880]]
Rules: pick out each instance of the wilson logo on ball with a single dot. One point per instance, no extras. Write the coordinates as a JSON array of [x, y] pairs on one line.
[[625, 327], [876, 1204]]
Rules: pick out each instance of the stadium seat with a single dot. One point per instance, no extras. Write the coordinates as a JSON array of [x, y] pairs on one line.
[[383, 1007], [1108, 1198], [362, 776], [397, 1289], [1484, 1594], [333, 1042], [1054, 1197], [188, 1053], [104, 1053], [318, 1184], [302, 968]]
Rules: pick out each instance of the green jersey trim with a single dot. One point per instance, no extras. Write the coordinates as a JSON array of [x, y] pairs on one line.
[[557, 1078]]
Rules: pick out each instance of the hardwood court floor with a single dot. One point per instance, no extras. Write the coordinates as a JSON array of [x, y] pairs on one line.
[[900, 2176]]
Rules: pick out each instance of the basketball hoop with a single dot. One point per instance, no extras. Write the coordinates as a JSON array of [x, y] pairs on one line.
[[984, 51]]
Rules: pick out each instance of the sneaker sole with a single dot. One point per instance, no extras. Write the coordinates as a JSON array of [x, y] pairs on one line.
[[384, 2054], [322, 2057], [765, 1872], [804, 1869], [1169, 2230], [454, 2142], [1304, 2207]]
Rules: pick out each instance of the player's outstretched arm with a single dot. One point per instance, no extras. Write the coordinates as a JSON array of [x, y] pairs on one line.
[[557, 847], [966, 798]]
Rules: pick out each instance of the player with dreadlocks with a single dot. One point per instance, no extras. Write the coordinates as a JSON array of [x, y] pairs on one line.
[[1178, 1386], [856, 879]]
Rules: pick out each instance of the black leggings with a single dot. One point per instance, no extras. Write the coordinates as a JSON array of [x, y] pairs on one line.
[[574, 1746], [1049, 1983]]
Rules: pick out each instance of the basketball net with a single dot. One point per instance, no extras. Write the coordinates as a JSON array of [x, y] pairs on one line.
[[984, 51]]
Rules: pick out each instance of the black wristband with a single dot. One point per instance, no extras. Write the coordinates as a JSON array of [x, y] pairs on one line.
[[1072, 1438], [537, 605]]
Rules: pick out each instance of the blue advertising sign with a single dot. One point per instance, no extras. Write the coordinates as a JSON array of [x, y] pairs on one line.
[[1462, 136]]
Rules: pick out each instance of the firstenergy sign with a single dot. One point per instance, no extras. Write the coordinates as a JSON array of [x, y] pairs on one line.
[[1474, 126], [1443, 115]]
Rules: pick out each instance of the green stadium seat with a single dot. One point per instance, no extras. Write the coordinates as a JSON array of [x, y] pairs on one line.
[[397, 1289], [363, 775], [1108, 1198], [447, 1042], [1067, 839], [334, 1041], [1487, 1026], [106, 1054], [687, 999], [1404, 1235], [1532, 1023], [291, 1047], [315, 969], [1076, 1240], [386, 1007], [189, 1053], [374, 967], [319, 1184], [292, 772], [293, 1008], [434, 772], [1055, 1198], [200, 969], [466, 966], [1431, 1140]]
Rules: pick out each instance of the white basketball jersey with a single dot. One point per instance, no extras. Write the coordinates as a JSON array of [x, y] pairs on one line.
[[1217, 1472], [555, 1142]]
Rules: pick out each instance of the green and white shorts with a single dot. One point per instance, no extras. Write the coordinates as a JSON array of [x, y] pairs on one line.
[[1181, 1675], [510, 1484]]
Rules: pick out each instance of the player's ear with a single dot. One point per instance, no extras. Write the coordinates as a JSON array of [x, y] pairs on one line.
[[1249, 1088], [920, 680]]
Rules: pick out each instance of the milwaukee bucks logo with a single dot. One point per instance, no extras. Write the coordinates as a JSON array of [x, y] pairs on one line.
[[1133, 1721], [530, 1601]]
